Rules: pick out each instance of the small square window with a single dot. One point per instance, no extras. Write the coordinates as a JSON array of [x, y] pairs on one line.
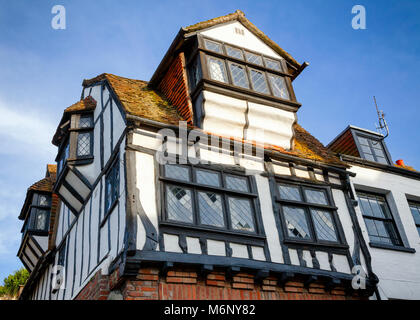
[[272, 64], [237, 183], [234, 52], [288, 192], [211, 209], [84, 144], [315, 196], [253, 58], [213, 46], [86, 121], [208, 177], [177, 172]]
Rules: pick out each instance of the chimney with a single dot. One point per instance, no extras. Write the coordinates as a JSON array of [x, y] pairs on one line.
[[400, 162]]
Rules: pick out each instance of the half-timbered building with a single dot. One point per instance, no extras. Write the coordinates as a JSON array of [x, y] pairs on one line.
[[199, 184]]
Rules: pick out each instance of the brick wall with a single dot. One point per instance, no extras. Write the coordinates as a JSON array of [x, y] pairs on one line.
[[187, 285], [96, 289], [174, 87]]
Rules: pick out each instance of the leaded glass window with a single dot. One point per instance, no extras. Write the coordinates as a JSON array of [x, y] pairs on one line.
[[378, 219], [272, 64], [209, 198], [279, 87], [239, 77], [194, 72], [234, 52], [112, 185], [217, 69], [253, 58], [259, 83], [85, 136], [307, 213], [213, 46]]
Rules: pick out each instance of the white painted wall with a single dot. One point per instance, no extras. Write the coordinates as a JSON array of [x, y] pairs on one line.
[[398, 272], [226, 33], [237, 118]]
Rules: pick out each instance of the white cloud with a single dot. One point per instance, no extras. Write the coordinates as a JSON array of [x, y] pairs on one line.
[[26, 132]]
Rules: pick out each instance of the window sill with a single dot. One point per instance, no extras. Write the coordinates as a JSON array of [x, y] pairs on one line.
[[391, 247], [316, 244], [80, 161], [197, 231]]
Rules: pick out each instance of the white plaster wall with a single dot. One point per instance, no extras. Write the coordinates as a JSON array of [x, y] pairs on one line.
[[236, 118], [226, 33], [398, 272]]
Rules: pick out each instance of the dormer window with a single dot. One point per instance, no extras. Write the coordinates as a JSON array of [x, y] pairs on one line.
[[372, 149], [241, 69], [85, 137], [39, 214]]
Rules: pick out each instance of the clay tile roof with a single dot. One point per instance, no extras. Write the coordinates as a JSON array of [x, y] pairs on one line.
[[240, 16], [309, 147], [405, 167], [51, 171], [86, 104], [138, 99], [42, 185]]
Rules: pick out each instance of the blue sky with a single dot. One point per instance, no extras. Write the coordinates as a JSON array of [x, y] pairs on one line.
[[41, 71]]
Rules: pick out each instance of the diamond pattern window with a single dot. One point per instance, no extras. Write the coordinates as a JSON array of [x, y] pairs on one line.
[[217, 69], [239, 77], [213, 46], [208, 197], [272, 64], [259, 83], [234, 52], [279, 87], [307, 213], [112, 185], [378, 219], [253, 58], [85, 136]]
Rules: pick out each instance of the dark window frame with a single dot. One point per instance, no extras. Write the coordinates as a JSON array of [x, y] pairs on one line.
[[78, 130], [391, 220], [306, 206], [357, 133], [204, 53], [115, 187], [28, 225], [412, 203], [224, 192]]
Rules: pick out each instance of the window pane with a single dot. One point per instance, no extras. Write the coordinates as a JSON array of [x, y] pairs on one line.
[[211, 210], [40, 219], [296, 223], [241, 214], [324, 226], [207, 177], [415, 211], [363, 141], [236, 183], [378, 208], [239, 76], [83, 144], [177, 172], [316, 196], [272, 64], [179, 204], [278, 84], [44, 200], [85, 122], [259, 83], [216, 69], [253, 58], [233, 52], [213, 46], [289, 192], [195, 72]]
